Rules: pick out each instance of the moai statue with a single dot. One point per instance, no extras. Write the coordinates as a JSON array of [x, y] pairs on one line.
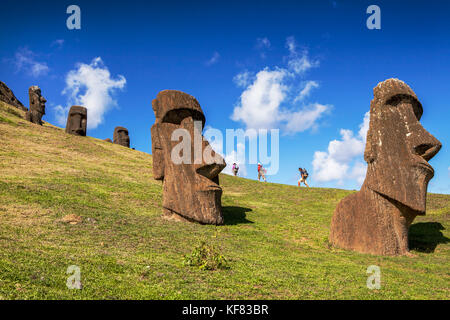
[[184, 160], [77, 121], [377, 218], [121, 137], [7, 96], [37, 105]]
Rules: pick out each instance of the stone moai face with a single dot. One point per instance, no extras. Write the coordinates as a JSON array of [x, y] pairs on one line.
[[77, 121], [398, 147], [191, 187], [37, 105], [121, 137], [376, 219]]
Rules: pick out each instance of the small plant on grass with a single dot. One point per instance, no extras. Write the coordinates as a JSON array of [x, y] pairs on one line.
[[206, 256]]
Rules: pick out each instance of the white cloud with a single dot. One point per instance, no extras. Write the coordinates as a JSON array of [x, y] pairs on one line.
[[91, 86], [267, 102], [243, 79], [306, 91], [343, 154], [304, 119], [24, 59], [214, 59], [260, 101], [299, 63]]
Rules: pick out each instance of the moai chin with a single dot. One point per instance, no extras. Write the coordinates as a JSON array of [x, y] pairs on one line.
[[121, 136], [377, 218], [77, 121], [37, 105], [191, 188]]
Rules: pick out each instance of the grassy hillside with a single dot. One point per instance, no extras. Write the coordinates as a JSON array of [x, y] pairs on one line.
[[274, 239]]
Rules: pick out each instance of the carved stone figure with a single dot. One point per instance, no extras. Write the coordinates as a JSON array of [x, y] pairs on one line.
[[121, 137], [377, 218], [77, 121], [191, 188], [7, 96], [37, 105]]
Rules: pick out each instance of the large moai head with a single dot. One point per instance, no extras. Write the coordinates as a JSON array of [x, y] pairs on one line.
[[184, 160], [121, 136], [37, 105], [398, 148], [77, 121]]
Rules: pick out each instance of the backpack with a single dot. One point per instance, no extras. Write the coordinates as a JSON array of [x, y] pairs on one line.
[[305, 173]]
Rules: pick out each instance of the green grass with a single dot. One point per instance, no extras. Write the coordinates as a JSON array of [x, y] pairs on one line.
[[275, 240]]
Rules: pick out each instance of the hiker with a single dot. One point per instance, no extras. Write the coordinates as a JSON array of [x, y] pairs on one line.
[[303, 175], [261, 172], [235, 169]]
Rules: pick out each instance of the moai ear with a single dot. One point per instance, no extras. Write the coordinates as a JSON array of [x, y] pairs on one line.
[[157, 153]]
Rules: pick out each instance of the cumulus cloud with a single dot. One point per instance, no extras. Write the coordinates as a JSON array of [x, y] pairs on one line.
[[267, 101], [343, 159], [214, 59], [91, 86], [260, 101], [25, 60]]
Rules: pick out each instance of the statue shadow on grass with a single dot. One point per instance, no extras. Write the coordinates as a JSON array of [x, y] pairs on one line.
[[425, 236], [235, 215]]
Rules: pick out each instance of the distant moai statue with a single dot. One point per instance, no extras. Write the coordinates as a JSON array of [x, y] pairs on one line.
[[121, 136], [77, 121], [191, 190], [377, 218], [37, 105]]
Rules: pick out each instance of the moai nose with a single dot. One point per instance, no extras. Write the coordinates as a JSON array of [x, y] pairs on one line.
[[425, 144], [212, 162]]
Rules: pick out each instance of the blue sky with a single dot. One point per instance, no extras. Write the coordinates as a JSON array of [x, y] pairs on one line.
[[319, 55]]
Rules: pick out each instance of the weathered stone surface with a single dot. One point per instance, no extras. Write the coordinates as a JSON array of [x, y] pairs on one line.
[[191, 190], [37, 105], [108, 140], [77, 121], [377, 218], [121, 136], [7, 96]]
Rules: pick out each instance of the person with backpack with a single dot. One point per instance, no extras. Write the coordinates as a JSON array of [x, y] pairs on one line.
[[261, 172], [304, 174], [235, 169]]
